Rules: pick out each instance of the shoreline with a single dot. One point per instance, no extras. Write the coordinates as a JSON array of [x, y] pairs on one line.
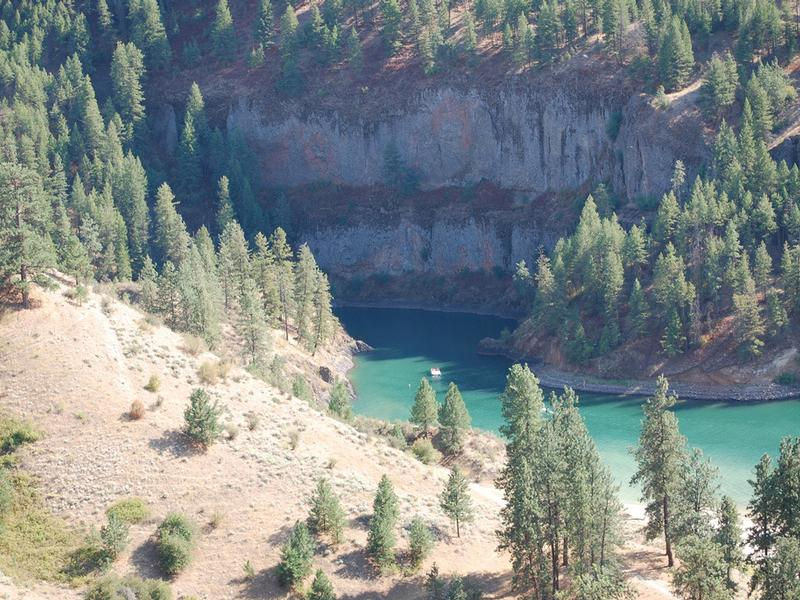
[[555, 378], [402, 305]]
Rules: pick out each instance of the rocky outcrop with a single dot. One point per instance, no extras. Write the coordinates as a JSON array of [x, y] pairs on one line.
[[446, 247], [536, 139]]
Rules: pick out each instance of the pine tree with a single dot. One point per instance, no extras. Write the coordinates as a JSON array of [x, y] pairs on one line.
[[638, 309], [420, 542], [455, 499], [676, 59], [26, 250], [659, 455], [75, 259], [148, 285], [223, 38], [326, 516], [761, 107], [381, 538], [762, 267], [127, 71], [729, 537], [171, 239], [673, 342], [296, 556], [470, 36], [425, 410], [761, 510], [282, 256], [321, 588], [234, 263], [148, 33], [520, 532], [454, 420], [777, 318], [390, 30], [701, 574], [190, 169], [305, 275], [224, 207], [354, 55], [129, 188], [323, 322], [169, 298], [339, 401], [264, 24], [718, 91], [288, 43], [783, 570], [202, 418], [749, 324], [251, 326]]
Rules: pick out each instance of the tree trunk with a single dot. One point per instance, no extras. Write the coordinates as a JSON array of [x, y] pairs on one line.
[[26, 293], [665, 508], [458, 528]]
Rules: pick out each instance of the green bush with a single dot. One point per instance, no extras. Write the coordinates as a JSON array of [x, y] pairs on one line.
[[425, 452], [296, 555], [420, 542], [14, 434], [113, 587], [175, 543], [129, 510], [301, 389], [786, 379], [153, 384], [6, 492], [202, 418], [114, 537]]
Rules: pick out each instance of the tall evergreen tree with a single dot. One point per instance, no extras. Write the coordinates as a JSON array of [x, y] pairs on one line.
[[282, 257], [251, 326], [424, 411], [455, 499], [659, 455], [26, 249], [223, 38], [148, 33], [127, 71], [381, 538], [454, 420]]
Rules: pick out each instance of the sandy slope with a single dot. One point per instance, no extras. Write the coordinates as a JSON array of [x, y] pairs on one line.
[[75, 371]]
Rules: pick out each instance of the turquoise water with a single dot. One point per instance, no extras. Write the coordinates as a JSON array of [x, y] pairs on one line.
[[409, 342]]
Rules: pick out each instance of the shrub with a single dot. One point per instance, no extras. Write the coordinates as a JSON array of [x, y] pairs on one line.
[[208, 373], [321, 588], [425, 452], [294, 439], [339, 402], [326, 515], [301, 389], [296, 555], [14, 434], [153, 384], [202, 418], [114, 537], [113, 587], [129, 510], [175, 542], [194, 345], [6, 492], [786, 379], [137, 410], [231, 430], [420, 542], [252, 421]]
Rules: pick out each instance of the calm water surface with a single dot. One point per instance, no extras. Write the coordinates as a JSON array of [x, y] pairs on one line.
[[409, 342]]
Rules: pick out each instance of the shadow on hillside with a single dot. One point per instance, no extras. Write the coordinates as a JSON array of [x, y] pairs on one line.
[[145, 559], [278, 537], [356, 565], [493, 585], [174, 442], [263, 585]]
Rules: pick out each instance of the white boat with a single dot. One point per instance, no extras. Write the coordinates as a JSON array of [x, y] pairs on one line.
[[436, 372]]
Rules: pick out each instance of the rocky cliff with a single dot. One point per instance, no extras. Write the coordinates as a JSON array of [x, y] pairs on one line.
[[531, 138], [541, 137]]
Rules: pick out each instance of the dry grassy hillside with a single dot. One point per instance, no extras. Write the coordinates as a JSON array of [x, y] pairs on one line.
[[75, 370]]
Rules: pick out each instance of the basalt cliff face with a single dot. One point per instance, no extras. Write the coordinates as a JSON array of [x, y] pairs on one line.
[[529, 141]]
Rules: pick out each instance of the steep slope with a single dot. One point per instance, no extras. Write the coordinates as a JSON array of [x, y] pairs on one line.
[[74, 371]]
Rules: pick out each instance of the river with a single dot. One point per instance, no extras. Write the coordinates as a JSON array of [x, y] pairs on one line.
[[409, 342]]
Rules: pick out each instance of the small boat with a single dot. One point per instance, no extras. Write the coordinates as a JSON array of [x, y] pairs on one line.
[[436, 372]]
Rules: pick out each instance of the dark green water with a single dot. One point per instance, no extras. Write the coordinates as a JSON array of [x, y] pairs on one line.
[[409, 342]]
